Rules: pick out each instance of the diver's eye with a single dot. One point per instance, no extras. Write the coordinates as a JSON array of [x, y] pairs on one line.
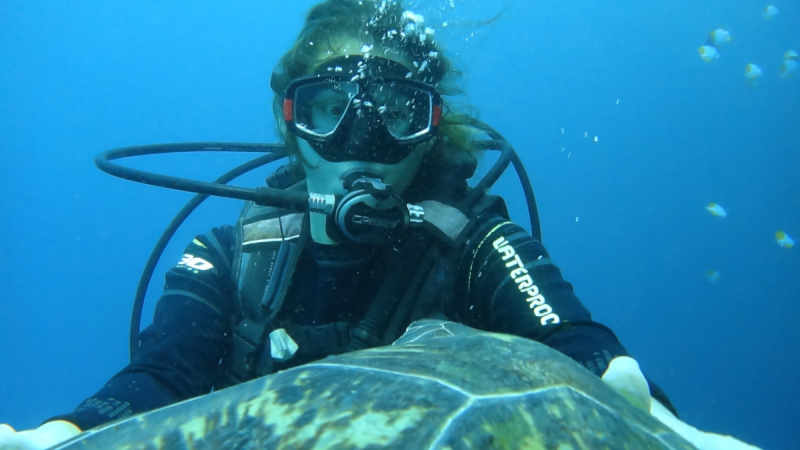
[[332, 102], [333, 109]]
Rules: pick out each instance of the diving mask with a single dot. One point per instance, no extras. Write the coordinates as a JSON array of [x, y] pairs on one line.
[[362, 109]]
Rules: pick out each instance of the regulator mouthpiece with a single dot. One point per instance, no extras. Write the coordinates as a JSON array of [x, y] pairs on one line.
[[369, 213]]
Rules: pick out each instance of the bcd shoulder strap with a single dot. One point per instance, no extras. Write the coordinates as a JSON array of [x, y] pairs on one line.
[[269, 242]]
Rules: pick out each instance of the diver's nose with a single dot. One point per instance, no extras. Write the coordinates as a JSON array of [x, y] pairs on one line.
[[367, 132]]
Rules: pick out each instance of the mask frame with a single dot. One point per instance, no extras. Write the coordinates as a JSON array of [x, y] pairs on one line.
[[364, 130]]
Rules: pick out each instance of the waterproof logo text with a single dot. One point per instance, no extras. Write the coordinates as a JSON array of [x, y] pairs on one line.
[[524, 282]]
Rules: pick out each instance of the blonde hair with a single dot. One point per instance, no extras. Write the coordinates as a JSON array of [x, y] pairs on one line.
[[389, 27]]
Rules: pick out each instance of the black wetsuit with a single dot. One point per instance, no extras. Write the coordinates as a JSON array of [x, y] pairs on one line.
[[504, 279]]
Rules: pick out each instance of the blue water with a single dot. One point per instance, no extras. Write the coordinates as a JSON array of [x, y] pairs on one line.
[[624, 217]]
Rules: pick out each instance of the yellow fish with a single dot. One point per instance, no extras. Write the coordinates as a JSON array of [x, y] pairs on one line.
[[716, 210], [752, 72], [769, 12], [783, 239], [708, 53], [788, 68], [719, 36], [790, 64]]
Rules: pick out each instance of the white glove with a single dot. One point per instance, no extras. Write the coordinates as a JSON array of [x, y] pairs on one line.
[[625, 377], [46, 436]]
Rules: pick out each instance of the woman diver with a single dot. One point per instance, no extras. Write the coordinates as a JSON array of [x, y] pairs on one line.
[[360, 106]]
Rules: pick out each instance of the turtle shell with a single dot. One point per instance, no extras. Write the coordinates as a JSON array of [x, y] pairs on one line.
[[442, 385]]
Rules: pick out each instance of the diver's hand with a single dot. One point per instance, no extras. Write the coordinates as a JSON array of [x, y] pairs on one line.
[[625, 377], [46, 436]]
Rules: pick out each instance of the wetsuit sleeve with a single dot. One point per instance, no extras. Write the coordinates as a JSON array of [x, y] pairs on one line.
[[511, 286], [181, 350]]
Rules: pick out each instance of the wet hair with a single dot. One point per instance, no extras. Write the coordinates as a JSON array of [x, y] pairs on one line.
[[389, 29]]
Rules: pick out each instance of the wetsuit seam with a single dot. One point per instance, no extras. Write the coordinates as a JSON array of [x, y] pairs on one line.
[[193, 296], [198, 280]]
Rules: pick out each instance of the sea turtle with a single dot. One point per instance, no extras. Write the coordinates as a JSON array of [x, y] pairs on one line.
[[442, 385]]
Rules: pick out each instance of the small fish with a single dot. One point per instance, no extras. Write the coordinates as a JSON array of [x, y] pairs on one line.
[[752, 72], [783, 239], [716, 210], [708, 53], [788, 68], [789, 65], [712, 276], [769, 12], [719, 36]]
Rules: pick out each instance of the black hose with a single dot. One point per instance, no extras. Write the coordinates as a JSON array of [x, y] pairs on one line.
[[277, 152], [368, 332], [530, 197], [297, 201], [392, 330], [493, 174], [507, 155]]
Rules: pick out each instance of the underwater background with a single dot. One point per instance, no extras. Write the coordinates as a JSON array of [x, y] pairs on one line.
[[624, 216]]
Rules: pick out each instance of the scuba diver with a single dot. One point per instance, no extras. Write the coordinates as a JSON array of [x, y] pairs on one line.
[[393, 234]]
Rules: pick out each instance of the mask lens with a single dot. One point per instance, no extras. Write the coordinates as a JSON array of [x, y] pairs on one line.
[[320, 107], [406, 110]]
